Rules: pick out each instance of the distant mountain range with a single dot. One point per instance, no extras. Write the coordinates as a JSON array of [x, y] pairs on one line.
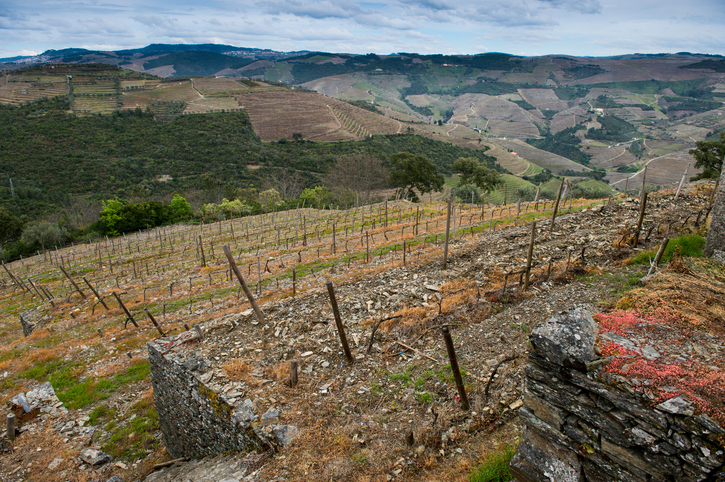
[[559, 112], [182, 60]]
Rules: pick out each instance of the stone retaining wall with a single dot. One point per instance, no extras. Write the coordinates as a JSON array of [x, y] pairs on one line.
[[581, 425], [194, 419]]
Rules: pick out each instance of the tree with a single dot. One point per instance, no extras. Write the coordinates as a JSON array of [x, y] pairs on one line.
[[474, 172], [44, 234], [270, 198], [288, 183], [468, 194], [111, 216], [358, 173], [10, 226], [709, 156], [180, 208], [316, 196], [411, 171]]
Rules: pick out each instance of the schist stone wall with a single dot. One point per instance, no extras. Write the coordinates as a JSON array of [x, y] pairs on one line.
[[580, 428], [195, 420]]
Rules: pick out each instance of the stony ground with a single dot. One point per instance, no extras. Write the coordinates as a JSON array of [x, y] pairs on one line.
[[393, 413]]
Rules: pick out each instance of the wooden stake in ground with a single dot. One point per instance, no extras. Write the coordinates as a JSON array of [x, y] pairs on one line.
[[95, 293], [293, 373], [201, 249], [233, 264], [556, 206], [530, 255], [15, 279], [642, 189], [128, 313], [72, 282], [338, 322], [448, 230], [454, 368], [679, 188], [153, 320], [11, 427], [641, 218], [658, 257]]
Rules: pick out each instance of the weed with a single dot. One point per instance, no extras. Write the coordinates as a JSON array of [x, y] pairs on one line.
[[137, 436], [403, 377], [100, 414], [494, 467], [376, 389], [446, 374], [691, 245], [419, 382], [423, 397], [359, 458], [521, 326], [76, 393]]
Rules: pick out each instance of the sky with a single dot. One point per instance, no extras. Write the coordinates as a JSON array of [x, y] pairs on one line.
[[520, 27]]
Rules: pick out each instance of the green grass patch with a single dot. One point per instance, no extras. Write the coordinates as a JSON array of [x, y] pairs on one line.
[[134, 437], [510, 188], [100, 414], [446, 374], [691, 245], [494, 467], [405, 377], [76, 393]]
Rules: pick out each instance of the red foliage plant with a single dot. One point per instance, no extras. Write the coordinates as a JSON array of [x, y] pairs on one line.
[[669, 375]]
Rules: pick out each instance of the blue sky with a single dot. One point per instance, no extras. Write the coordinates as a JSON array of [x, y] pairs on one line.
[[521, 27]]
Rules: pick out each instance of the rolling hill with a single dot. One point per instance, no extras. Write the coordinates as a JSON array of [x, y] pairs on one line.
[[491, 101]]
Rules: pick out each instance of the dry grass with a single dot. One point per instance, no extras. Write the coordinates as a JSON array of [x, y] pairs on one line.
[[239, 370]]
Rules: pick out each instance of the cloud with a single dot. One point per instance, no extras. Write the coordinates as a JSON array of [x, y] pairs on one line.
[[314, 10], [154, 21], [434, 5], [319, 34], [576, 27], [581, 6], [512, 14]]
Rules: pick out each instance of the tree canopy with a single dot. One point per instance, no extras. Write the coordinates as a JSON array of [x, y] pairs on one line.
[[410, 171], [474, 172], [709, 156]]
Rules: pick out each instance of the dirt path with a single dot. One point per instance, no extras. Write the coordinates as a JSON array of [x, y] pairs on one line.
[[193, 86]]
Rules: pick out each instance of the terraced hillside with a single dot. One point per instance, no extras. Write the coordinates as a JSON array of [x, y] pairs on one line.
[[384, 262]]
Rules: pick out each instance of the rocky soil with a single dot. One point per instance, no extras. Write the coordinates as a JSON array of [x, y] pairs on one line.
[[394, 413]]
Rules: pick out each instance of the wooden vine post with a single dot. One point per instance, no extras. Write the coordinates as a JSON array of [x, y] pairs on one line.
[[338, 322], [128, 313], [556, 206], [530, 255], [454, 368], [448, 230], [250, 297], [679, 188], [641, 218], [201, 250], [293, 373], [72, 282], [100, 300], [153, 320]]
